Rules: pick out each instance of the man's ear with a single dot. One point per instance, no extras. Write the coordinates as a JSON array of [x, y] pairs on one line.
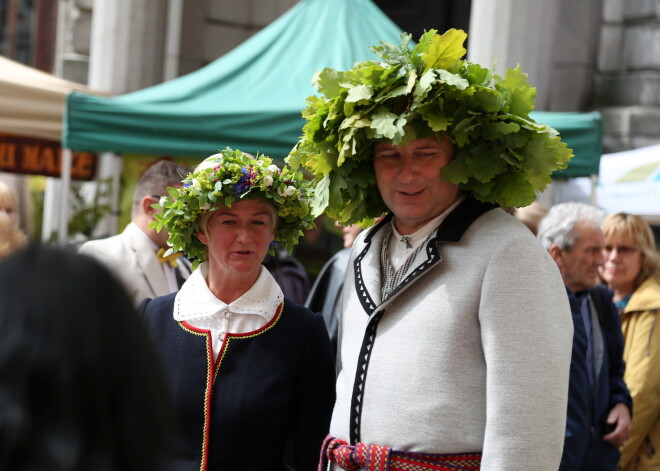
[[146, 203], [555, 253]]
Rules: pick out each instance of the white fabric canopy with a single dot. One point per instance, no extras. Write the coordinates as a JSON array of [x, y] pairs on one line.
[[630, 182], [32, 101]]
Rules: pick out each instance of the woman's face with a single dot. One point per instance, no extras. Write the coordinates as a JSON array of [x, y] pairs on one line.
[[623, 262], [8, 206], [238, 238]]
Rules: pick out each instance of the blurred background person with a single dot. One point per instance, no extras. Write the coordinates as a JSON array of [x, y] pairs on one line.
[[531, 215], [632, 271], [289, 273], [9, 202], [136, 255], [572, 235], [325, 295], [232, 343], [80, 386], [11, 237]]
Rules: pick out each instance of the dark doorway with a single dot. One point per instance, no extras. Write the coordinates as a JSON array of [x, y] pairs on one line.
[[416, 16]]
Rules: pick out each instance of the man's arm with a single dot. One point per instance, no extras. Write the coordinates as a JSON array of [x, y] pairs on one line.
[[527, 335]]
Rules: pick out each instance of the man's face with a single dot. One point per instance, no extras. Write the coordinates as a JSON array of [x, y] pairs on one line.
[[408, 178], [579, 266]]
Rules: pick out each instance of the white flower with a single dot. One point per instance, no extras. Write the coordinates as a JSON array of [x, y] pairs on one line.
[[210, 162], [162, 200], [290, 190], [268, 180], [196, 184], [273, 168], [206, 206]]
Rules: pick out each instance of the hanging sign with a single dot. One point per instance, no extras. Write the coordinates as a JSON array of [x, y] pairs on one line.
[[42, 157]]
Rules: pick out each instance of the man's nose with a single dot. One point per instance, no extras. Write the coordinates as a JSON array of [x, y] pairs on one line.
[[407, 171]]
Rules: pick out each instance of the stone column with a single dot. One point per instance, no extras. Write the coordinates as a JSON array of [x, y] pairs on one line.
[[516, 32], [127, 46], [126, 54]]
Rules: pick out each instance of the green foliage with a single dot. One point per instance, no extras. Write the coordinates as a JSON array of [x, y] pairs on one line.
[[502, 155], [86, 215], [223, 179]]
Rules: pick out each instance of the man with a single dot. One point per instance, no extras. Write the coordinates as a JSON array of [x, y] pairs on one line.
[[455, 336], [135, 255], [571, 233]]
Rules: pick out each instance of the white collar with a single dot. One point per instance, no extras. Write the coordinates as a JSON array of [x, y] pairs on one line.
[[195, 300], [423, 232]]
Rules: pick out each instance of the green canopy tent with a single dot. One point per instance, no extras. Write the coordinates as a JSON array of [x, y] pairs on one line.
[[582, 132], [252, 97]]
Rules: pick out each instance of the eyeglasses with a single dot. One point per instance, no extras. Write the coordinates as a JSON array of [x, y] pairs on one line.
[[623, 250]]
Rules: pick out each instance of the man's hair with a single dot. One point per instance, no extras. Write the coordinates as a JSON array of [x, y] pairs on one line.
[[641, 236], [155, 180], [558, 227]]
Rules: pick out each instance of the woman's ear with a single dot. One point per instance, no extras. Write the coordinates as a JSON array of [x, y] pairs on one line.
[[201, 235]]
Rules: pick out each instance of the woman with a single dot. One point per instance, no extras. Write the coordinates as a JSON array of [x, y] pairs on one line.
[[632, 272], [251, 373], [78, 383], [11, 237]]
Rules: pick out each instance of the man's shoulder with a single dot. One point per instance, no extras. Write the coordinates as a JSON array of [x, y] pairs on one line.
[[109, 247]]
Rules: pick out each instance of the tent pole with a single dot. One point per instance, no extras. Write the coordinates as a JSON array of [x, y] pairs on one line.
[[63, 222], [594, 183]]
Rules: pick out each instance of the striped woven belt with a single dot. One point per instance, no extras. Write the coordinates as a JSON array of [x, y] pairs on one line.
[[382, 458]]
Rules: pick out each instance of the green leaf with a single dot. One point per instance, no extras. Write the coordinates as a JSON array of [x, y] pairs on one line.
[[321, 196], [417, 54], [522, 93], [446, 50], [359, 92], [383, 123], [327, 82], [456, 171]]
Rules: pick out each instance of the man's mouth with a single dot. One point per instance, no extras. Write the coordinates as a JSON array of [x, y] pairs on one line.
[[410, 193]]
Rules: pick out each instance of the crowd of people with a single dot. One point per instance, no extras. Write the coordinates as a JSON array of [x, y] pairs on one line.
[[446, 335]]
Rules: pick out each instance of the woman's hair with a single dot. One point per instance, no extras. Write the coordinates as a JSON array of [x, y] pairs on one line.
[[640, 233], [8, 201], [11, 237], [80, 386]]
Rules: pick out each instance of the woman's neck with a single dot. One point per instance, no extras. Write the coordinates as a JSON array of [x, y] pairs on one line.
[[621, 291], [229, 288]]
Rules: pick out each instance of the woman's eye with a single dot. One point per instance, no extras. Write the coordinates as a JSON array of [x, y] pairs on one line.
[[227, 222]]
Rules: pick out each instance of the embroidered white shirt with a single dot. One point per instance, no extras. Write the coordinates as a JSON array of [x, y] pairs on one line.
[[198, 306], [400, 251]]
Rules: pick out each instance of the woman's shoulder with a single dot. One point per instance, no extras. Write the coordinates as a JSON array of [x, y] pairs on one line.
[[301, 315]]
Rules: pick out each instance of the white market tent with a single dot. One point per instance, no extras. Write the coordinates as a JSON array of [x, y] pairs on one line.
[[630, 181], [32, 105], [32, 102]]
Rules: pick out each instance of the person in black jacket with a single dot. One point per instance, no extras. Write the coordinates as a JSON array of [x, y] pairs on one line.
[[571, 233], [250, 371]]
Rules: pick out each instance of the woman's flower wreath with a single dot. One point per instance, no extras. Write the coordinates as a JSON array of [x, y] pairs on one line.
[[502, 155], [224, 178]]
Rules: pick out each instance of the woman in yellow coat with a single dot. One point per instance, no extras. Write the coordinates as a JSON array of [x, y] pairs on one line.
[[632, 272]]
